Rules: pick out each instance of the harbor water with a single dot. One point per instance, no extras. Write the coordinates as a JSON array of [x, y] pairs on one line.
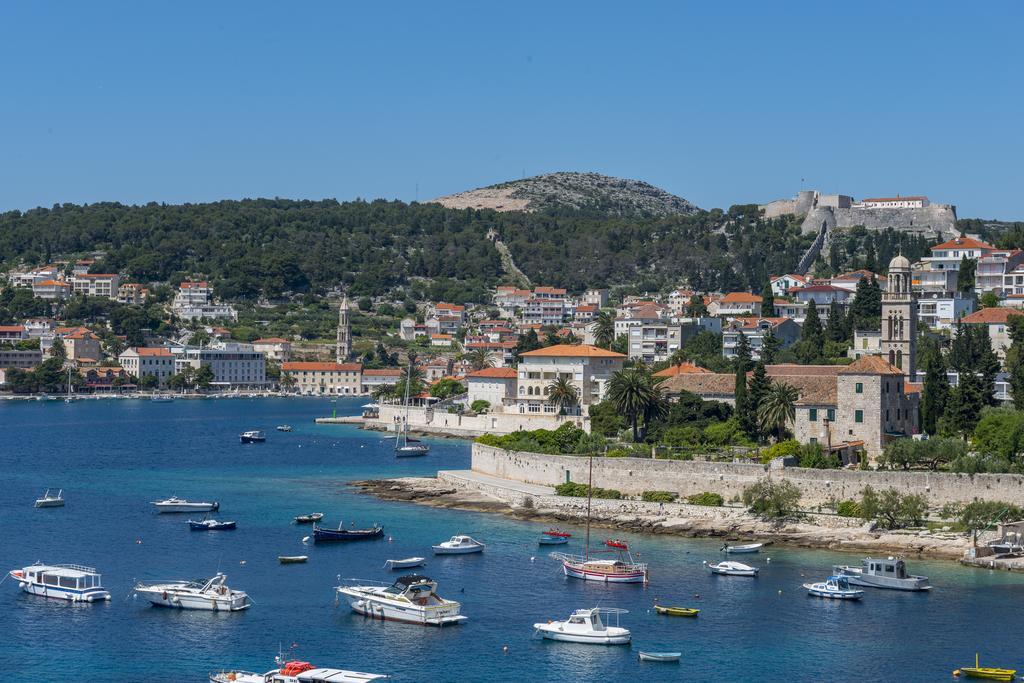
[[113, 457]]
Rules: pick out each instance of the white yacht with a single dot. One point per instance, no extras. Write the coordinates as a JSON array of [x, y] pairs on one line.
[[51, 499], [888, 573], [295, 672], [175, 504], [459, 545], [213, 595], [62, 581], [586, 626], [412, 599]]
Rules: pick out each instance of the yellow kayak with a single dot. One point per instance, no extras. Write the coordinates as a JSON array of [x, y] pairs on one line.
[[677, 611], [989, 673]]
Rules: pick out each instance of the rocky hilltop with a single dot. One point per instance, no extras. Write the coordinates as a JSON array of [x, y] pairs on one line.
[[588, 191]]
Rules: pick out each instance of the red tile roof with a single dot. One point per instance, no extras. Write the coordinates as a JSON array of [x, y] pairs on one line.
[[740, 298], [271, 340], [989, 316], [153, 351], [964, 243], [870, 365], [496, 373], [681, 369], [573, 351]]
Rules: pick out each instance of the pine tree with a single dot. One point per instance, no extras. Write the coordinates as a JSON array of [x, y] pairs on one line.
[[757, 389], [836, 328], [935, 396], [768, 301], [963, 409], [769, 347], [812, 331], [744, 410]]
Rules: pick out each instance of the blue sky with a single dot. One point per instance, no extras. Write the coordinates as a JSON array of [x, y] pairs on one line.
[[721, 103]]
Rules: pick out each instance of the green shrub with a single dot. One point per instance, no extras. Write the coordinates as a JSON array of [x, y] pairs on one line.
[[480, 406], [848, 508], [567, 439], [575, 490], [982, 513], [892, 509], [780, 450], [659, 496], [772, 499], [813, 456], [706, 498]]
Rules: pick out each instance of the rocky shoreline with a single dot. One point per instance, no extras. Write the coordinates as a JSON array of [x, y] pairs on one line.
[[816, 531]]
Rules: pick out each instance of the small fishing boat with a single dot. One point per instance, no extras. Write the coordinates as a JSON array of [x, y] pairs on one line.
[[72, 582], [586, 626], [292, 559], [748, 548], [888, 573], [644, 656], [309, 519], [986, 672], [412, 599], [835, 587], [616, 543], [553, 540], [406, 563], [175, 504], [677, 611], [729, 568], [210, 525], [558, 533], [162, 398], [322, 535], [51, 499], [459, 545], [253, 436], [284, 428], [212, 595], [294, 672]]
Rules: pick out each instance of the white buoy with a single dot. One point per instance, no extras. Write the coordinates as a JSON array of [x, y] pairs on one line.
[[305, 539], [704, 562], [769, 559], [532, 559]]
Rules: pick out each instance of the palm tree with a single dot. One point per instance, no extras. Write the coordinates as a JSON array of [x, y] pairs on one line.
[[604, 330], [383, 391], [634, 395], [480, 359], [777, 409], [562, 393]]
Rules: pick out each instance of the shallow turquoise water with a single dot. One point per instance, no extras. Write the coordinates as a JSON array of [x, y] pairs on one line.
[[112, 458]]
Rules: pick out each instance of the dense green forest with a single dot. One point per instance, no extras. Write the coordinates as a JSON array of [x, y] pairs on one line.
[[272, 247]]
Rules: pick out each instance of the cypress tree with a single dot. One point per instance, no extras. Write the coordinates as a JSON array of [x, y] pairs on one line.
[[812, 331], [758, 388], [935, 395], [835, 327], [768, 301]]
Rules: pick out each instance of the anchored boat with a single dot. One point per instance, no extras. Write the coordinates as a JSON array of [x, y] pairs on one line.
[[888, 573], [175, 504], [309, 519], [459, 545], [210, 525], [294, 672], [322, 535], [292, 559], [835, 587], [730, 568], [406, 563], [990, 673], [586, 626], [412, 599], [252, 436], [737, 549], [552, 540], [659, 656], [73, 582], [51, 499], [404, 446], [213, 595], [677, 611]]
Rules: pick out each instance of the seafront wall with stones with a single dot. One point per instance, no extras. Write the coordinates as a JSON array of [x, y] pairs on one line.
[[633, 476]]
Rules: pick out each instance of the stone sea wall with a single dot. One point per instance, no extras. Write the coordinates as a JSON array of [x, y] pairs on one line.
[[633, 476]]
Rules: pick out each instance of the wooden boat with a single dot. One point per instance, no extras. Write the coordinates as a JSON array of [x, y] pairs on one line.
[[659, 656], [990, 673], [553, 540], [677, 611], [405, 563], [309, 519], [557, 533], [292, 559], [748, 548], [210, 525], [322, 535]]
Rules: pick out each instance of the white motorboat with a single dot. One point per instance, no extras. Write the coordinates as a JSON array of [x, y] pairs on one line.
[[213, 595], [412, 599], [459, 545], [730, 568], [295, 672], [586, 626], [748, 548], [406, 563], [284, 428], [72, 582], [175, 504], [835, 587], [888, 573], [51, 499], [161, 398]]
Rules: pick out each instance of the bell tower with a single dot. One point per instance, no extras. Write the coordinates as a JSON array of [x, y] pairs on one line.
[[344, 344], [899, 318]]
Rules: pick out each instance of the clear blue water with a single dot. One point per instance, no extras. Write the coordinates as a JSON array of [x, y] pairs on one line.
[[112, 458]]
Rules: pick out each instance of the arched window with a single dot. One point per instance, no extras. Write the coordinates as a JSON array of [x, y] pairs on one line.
[[892, 357], [899, 359]]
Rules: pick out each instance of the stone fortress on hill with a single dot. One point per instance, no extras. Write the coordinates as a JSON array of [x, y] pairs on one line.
[[826, 212]]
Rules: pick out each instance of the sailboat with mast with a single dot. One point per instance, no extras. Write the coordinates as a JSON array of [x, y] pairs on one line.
[[69, 398], [404, 446], [620, 568]]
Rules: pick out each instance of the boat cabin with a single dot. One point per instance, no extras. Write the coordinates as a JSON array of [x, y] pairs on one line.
[[588, 617], [607, 566], [69, 577], [838, 583], [891, 567], [415, 588]]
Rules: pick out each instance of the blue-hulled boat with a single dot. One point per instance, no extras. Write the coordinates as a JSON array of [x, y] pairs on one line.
[[210, 525], [322, 535], [553, 540]]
